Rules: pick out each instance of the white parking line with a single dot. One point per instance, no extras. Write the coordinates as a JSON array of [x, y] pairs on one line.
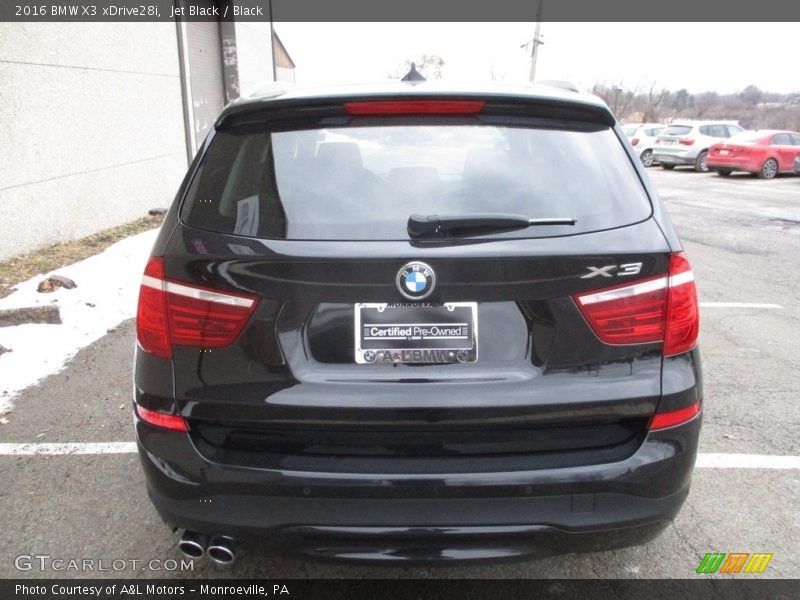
[[738, 305], [68, 448], [747, 461], [704, 461]]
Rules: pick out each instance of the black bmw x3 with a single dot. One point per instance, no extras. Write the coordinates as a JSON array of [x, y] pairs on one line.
[[417, 322]]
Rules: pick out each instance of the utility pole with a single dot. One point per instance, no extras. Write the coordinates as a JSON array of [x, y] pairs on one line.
[[537, 41]]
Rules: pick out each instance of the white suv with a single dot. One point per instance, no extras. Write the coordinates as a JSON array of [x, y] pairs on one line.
[[643, 138], [687, 142]]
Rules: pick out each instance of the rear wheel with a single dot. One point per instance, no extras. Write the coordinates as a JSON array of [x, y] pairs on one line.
[[724, 172], [667, 167], [647, 158], [700, 164], [769, 170]]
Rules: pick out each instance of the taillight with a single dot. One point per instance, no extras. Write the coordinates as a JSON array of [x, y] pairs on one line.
[[674, 417], [414, 107], [686, 141], [683, 313], [175, 313], [634, 141], [627, 314], [152, 329], [163, 420], [658, 309]]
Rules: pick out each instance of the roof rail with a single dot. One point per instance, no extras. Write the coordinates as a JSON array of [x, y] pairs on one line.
[[564, 85]]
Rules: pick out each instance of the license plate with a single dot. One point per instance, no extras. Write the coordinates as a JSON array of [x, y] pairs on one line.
[[668, 142], [416, 333], [724, 152]]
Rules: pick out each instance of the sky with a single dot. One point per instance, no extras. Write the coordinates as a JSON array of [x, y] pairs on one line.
[[721, 57]]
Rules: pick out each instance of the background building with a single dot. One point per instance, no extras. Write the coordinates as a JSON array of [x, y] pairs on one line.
[[284, 65], [99, 120]]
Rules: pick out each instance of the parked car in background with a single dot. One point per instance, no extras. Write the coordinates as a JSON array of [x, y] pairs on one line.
[[643, 138], [797, 165], [687, 142], [764, 153]]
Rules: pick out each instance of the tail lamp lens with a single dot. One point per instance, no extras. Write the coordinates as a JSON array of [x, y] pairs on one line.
[[163, 420], [414, 107], [659, 309], [175, 313], [683, 313], [674, 417]]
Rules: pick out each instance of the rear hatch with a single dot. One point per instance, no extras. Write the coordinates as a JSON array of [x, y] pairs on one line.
[[674, 139], [401, 316], [738, 146]]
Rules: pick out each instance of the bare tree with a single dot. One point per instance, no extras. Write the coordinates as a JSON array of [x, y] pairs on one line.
[[619, 100], [751, 95], [653, 98], [705, 103], [680, 101], [495, 73], [752, 107]]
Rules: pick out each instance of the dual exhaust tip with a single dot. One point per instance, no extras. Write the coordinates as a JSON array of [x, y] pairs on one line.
[[219, 548]]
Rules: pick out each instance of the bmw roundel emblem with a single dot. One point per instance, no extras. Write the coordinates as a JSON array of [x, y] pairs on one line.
[[416, 281]]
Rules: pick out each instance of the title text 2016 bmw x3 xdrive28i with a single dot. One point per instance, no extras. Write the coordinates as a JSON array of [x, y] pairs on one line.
[[417, 322]]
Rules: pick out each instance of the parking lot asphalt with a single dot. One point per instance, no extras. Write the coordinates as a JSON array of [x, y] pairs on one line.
[[743, 238]]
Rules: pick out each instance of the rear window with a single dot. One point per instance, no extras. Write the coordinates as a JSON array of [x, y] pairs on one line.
[[677, 130], [363, 183]]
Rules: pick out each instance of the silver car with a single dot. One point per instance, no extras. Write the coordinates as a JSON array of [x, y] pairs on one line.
[[643, 138], [687, 142]]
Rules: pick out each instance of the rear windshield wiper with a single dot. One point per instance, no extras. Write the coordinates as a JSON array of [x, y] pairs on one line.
[[427, 226]]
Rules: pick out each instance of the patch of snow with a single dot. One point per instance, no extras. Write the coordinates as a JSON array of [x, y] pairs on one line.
[[108, 288]]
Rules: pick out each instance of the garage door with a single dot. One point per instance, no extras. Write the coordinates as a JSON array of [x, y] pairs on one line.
[[205, 74]]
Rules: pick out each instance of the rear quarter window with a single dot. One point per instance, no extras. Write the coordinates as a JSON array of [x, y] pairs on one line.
[[363, 182], [718, 131]]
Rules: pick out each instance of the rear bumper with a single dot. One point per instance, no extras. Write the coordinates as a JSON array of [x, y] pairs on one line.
[[425, 517], [682, 158], [614, 521], [732, 163]]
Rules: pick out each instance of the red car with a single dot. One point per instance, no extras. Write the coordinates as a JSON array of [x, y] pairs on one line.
[[765, 153]]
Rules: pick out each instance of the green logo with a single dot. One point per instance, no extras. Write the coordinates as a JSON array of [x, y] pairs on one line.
[[735, 562]]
